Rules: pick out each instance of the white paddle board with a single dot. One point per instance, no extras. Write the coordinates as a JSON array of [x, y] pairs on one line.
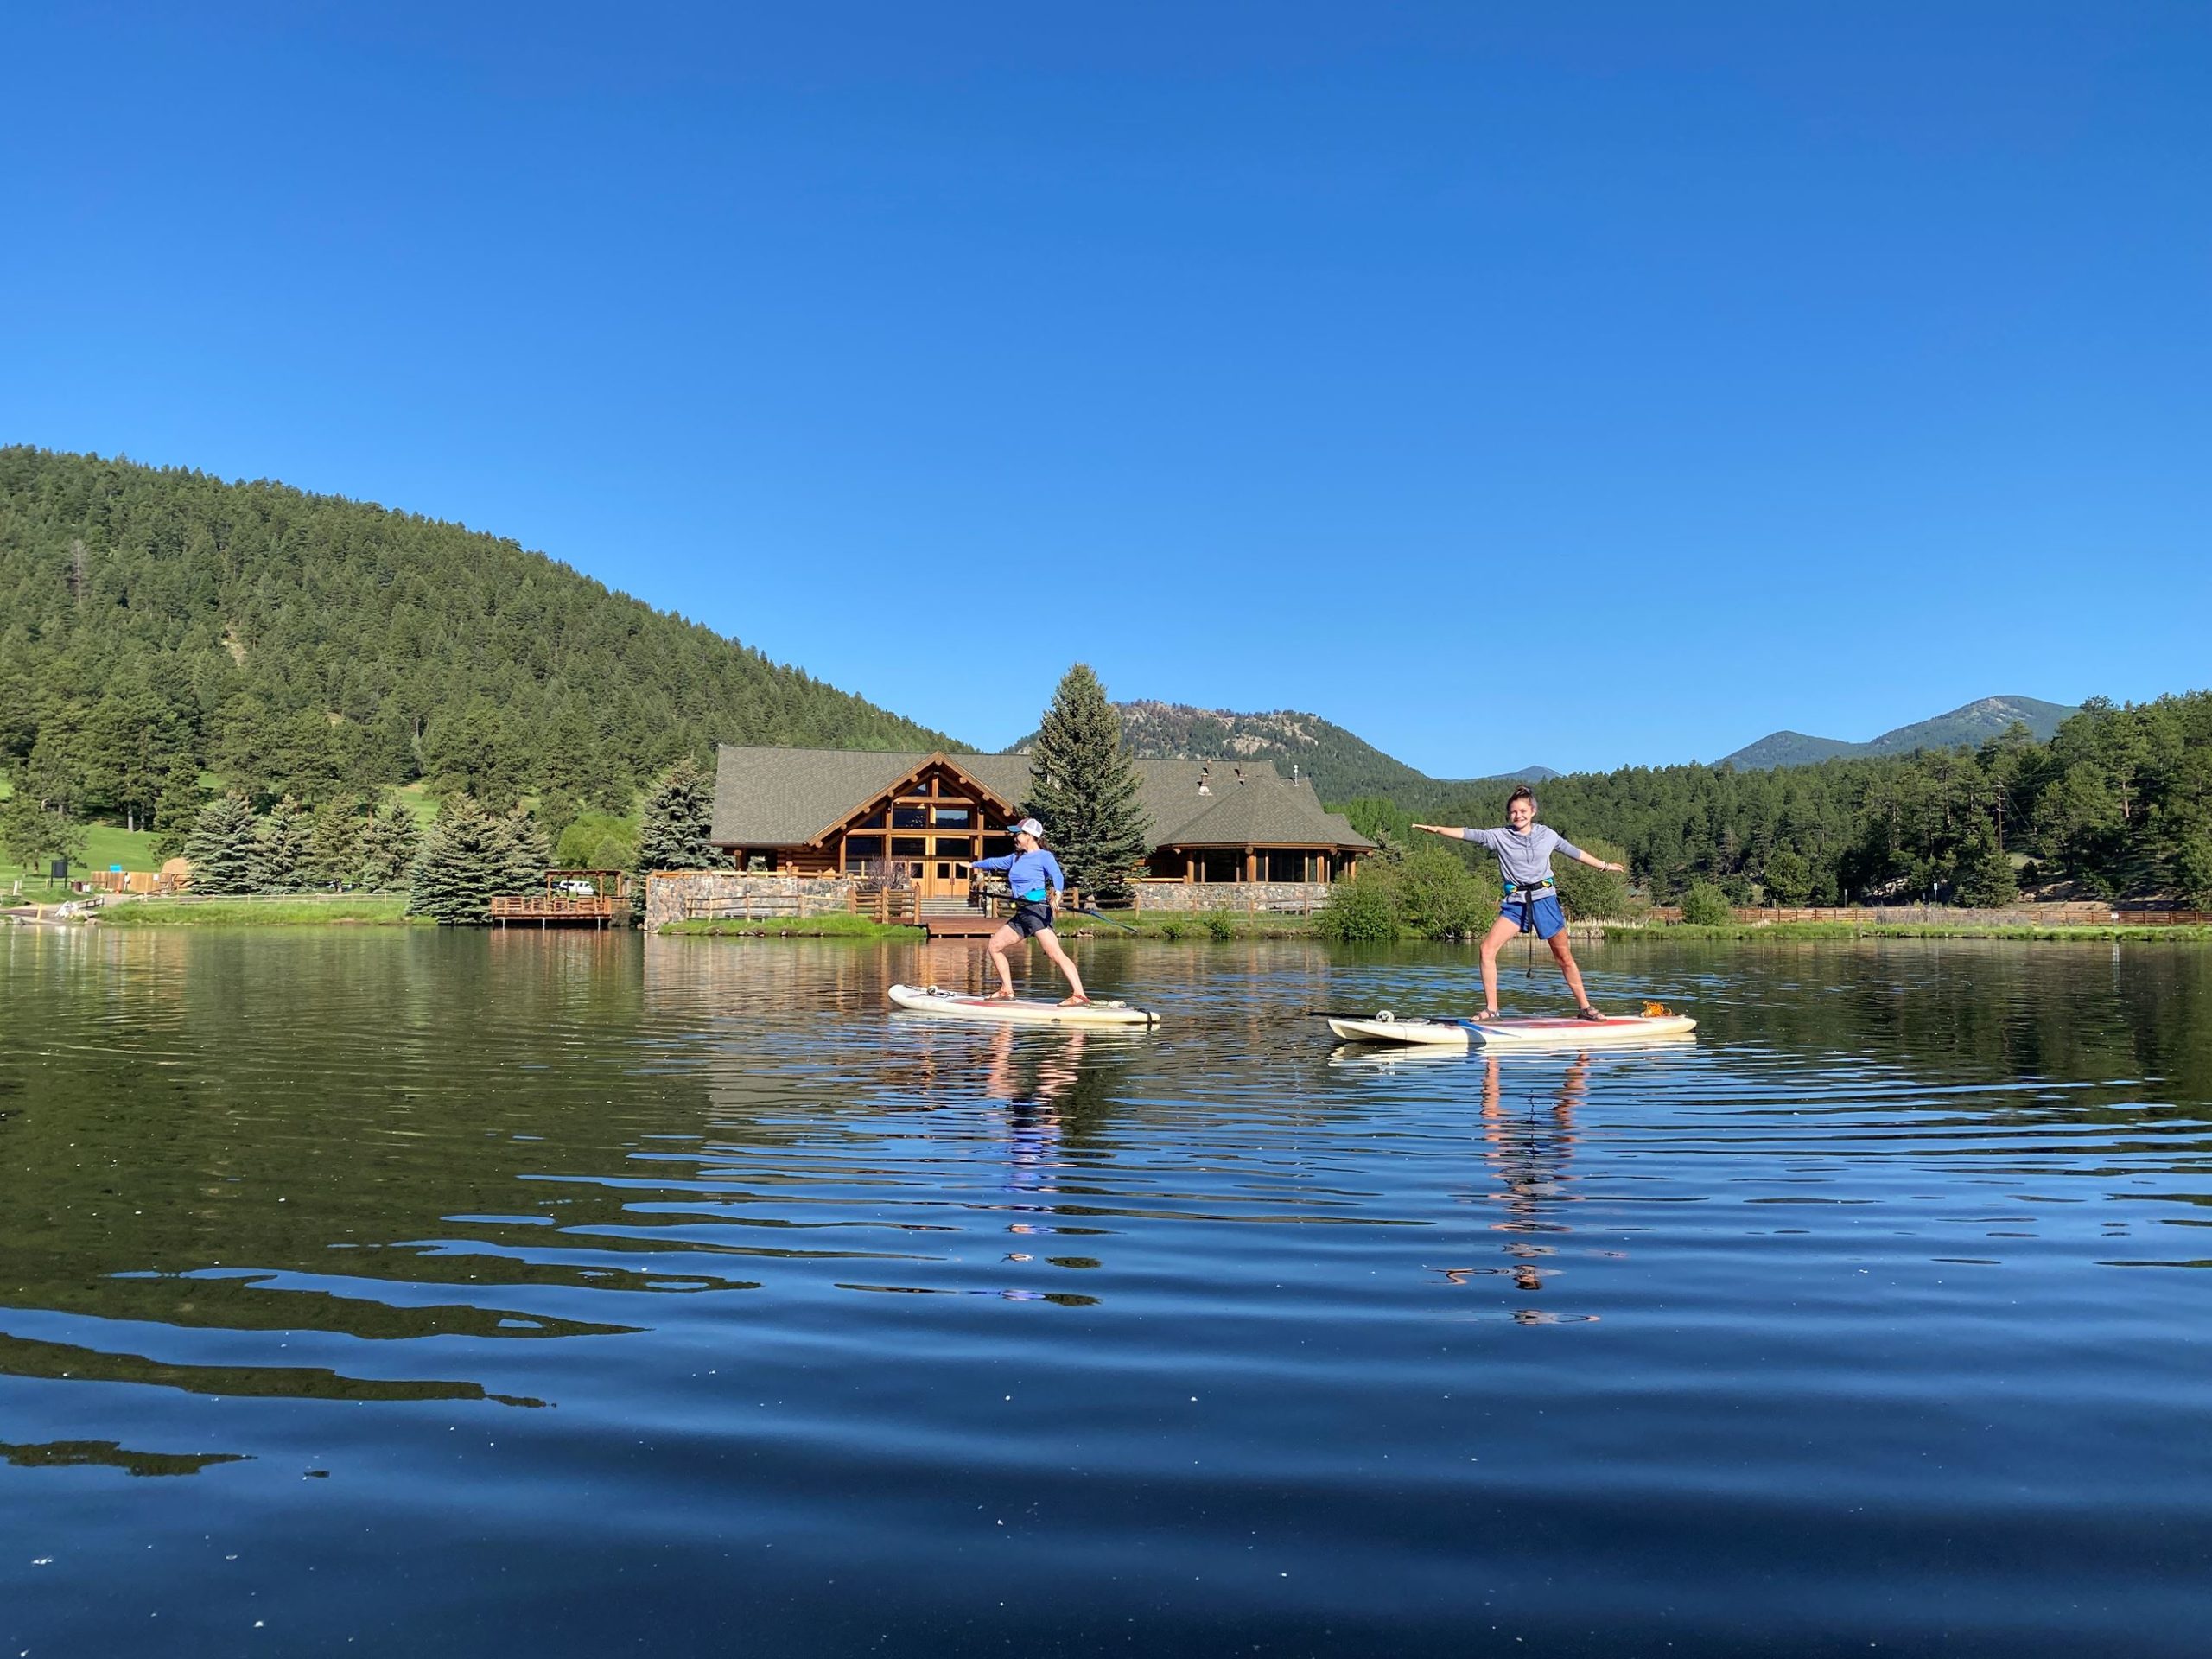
[[957, 1005], [1508, 1031]]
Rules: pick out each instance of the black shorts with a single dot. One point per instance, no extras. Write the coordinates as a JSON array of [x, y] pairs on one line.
[[1030, 919]]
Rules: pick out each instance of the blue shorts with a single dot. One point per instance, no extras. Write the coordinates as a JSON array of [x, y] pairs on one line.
[[1549, 917]]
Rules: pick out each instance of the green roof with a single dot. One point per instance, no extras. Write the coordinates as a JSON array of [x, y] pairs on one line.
[[787, 797]]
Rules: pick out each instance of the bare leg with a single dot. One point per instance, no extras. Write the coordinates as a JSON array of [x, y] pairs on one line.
[[1493, 942], [1565, 954], [1051, 941], [1001, 942]]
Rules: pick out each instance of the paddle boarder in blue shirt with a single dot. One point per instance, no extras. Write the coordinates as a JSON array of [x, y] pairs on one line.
[[1033, 876], [1524, 849]]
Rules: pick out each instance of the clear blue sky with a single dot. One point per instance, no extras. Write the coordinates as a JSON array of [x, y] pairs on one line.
[[1585, 385]]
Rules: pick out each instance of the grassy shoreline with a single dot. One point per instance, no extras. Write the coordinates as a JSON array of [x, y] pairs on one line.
[[811, 927], [1752, 932], [389, 911], [337, 912]]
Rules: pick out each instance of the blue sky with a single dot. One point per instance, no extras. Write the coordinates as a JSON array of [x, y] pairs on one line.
[[1584, 385]]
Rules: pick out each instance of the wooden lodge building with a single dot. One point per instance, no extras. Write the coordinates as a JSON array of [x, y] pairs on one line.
[[828, 812]]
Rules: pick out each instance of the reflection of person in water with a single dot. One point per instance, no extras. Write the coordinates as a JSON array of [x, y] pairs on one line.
[[1029, 1091], [1529, 1155]]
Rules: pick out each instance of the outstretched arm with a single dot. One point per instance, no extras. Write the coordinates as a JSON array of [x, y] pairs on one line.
[[1453, 830], [1582, 857]]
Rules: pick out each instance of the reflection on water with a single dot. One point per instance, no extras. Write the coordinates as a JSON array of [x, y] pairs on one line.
[[526, 1293]]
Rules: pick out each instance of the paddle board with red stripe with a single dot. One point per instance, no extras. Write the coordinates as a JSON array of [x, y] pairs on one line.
[[1508, 1032]]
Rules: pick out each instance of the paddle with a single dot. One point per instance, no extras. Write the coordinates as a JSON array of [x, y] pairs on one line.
[[1080, 910], [1085, 910]]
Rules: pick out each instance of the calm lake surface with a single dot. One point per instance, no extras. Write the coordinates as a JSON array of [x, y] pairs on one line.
[[413, 1293]]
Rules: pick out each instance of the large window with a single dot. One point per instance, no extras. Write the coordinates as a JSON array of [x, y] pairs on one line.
[[952, 846], [997, 846], [910, 846], [910, 817], [860, 848], [1220, 865], [951, 817]]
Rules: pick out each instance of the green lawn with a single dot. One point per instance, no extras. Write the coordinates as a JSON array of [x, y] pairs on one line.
[[1787, 930], [809, 927], [303, 911], [104, 844]]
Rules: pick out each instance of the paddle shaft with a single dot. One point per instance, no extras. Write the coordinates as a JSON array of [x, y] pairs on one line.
[[1080, 910]]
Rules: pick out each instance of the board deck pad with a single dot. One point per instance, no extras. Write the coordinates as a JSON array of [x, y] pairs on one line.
[[960, 1005], [1508, 1031]]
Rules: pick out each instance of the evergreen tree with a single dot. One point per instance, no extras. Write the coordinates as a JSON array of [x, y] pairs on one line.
[[1083, 790], [223, 848], [1788, 878], [34, 835], [1986, 878], [385, 848], [333, 856], [177, 810], [521, 852], [463, 861], [673, 826], [284, 835]]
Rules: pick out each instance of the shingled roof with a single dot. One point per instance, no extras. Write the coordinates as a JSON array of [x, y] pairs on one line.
[[788, 798]]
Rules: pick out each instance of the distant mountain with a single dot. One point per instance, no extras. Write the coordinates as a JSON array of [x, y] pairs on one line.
[[1342, 764], [1970, 725]]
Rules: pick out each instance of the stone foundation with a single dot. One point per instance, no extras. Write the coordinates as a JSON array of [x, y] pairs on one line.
[[683, 895], [1246, 897]]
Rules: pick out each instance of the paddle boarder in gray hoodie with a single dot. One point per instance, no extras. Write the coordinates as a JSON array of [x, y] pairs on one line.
[[1524, 849]]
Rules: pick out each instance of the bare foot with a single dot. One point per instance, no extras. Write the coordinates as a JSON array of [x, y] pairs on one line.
[[1075, 1002], [1000, 997]]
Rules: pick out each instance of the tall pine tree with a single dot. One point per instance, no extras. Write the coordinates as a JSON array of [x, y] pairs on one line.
[[673, 825], [283, 834], [332, 857], [463, 862], [224, 847], [522, 852], [1083, 790], [385, 850]]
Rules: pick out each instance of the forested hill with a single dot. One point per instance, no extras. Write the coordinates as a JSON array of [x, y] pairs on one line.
[[1342, 764], [2118, 804], [154, 623], [1976, 723]]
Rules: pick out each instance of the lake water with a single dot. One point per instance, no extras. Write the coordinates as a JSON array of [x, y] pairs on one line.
[[399, 1292]]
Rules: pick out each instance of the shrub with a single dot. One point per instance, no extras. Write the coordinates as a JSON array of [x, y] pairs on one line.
[[1219, 924], [1436, 895], [1598, 895], [1706, 906], [1362, 911]]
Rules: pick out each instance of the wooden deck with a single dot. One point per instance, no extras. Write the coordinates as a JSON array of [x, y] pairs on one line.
[[558, 910], [960, 925]]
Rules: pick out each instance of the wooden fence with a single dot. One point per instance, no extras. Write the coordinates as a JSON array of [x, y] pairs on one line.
[[2070, 914]]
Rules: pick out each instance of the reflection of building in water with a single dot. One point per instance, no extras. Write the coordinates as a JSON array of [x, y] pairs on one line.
[[1528, 1150]]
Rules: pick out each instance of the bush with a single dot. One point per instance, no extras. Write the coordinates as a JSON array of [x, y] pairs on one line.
[[1598, 895], [598, 841], [1362, 911], [1706, 906], [1438, 897], [1174, 927], [1219, 924]]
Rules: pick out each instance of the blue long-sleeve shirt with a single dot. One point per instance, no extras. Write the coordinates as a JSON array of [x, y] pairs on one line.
[[1028, 875]]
